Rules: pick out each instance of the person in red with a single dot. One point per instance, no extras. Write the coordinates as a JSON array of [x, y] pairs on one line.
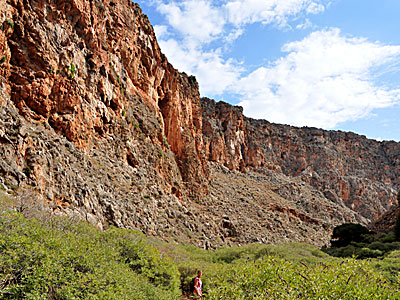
[[198, 284]]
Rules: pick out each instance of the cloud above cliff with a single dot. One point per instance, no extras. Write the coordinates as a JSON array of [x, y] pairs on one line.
[[194, 24], [202, 21], [324, 79], [280, 60]]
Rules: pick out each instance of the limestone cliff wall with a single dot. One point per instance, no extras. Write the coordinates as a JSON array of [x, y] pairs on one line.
[[346, 167], [80, 65], [95, 122]]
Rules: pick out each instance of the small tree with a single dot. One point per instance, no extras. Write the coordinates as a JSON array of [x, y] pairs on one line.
[[346, 233]]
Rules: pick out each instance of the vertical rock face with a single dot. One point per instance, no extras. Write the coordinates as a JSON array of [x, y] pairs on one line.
[[95, 122], [81, 65], [346, 167], [94, 119], [224, 134]]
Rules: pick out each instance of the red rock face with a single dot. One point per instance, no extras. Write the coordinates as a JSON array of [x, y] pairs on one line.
[[224, 134], [345, 167], [76, 64], [95, 122], [387, 221]]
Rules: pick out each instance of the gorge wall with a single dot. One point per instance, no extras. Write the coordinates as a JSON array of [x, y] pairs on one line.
[[346, 167], [95, 123]]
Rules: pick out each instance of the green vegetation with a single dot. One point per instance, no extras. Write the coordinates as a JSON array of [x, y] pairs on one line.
[[355, 240], [60, 258], [287, 271], [3, 60], [192, 80], [121, 87], [63, 259], [72, 71], [11, 23], [345, 234], [397, 227]]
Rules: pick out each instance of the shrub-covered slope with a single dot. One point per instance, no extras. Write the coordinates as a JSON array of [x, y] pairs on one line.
[[61, 259], [53, 258]]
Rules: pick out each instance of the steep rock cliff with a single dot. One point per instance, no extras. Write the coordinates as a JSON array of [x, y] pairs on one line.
[[95, 122], [347, 168]]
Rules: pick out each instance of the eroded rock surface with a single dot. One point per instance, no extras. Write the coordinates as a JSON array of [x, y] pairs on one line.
[[349, 169], [95, 121]]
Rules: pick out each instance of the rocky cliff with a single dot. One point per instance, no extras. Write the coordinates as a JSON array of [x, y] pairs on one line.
[[95, 122], [349, 169], [94, 119]]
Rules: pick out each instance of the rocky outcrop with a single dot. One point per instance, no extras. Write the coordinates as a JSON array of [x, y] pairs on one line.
[[95, 120], [95, 123], [347, 168], [79, 66], [387, 221]]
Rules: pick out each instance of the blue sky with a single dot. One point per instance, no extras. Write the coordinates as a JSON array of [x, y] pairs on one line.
[[332, 64]]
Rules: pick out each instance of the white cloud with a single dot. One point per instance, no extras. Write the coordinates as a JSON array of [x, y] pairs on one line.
[[203, 21], [305, 25], [196, 20], [214, 74], [315, 8], [161, 31], [324, 80], [269, 11], [194, 24]]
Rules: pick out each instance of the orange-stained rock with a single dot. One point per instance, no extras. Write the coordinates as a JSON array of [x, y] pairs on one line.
[[97, 124], [79, 69], [348, 168]]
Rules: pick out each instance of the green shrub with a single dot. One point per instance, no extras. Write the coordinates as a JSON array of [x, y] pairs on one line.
[[346, 233], [59, 259], [397, 225], [276, 278], [11, 23], [390, 266], [368, 253], [72, 71], [388, 238]]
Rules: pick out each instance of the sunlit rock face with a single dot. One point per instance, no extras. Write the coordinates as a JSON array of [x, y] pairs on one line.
[[95, 123], [347, 168], [94, 118]]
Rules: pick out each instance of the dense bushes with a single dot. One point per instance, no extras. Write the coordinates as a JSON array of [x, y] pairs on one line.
[[276, 278], [62, 259], [355, 240], [286, 271], [345, 234]]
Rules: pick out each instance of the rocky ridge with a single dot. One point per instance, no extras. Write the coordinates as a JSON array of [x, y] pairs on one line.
[[95, 122], [349, 169]]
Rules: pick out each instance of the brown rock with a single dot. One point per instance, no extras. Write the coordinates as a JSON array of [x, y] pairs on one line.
[[97, 123]]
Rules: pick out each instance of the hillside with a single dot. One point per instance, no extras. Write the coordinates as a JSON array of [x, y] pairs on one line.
[[95, 123], [62, 258]]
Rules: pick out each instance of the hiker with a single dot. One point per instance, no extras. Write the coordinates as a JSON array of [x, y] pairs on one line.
[[196, 286]]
